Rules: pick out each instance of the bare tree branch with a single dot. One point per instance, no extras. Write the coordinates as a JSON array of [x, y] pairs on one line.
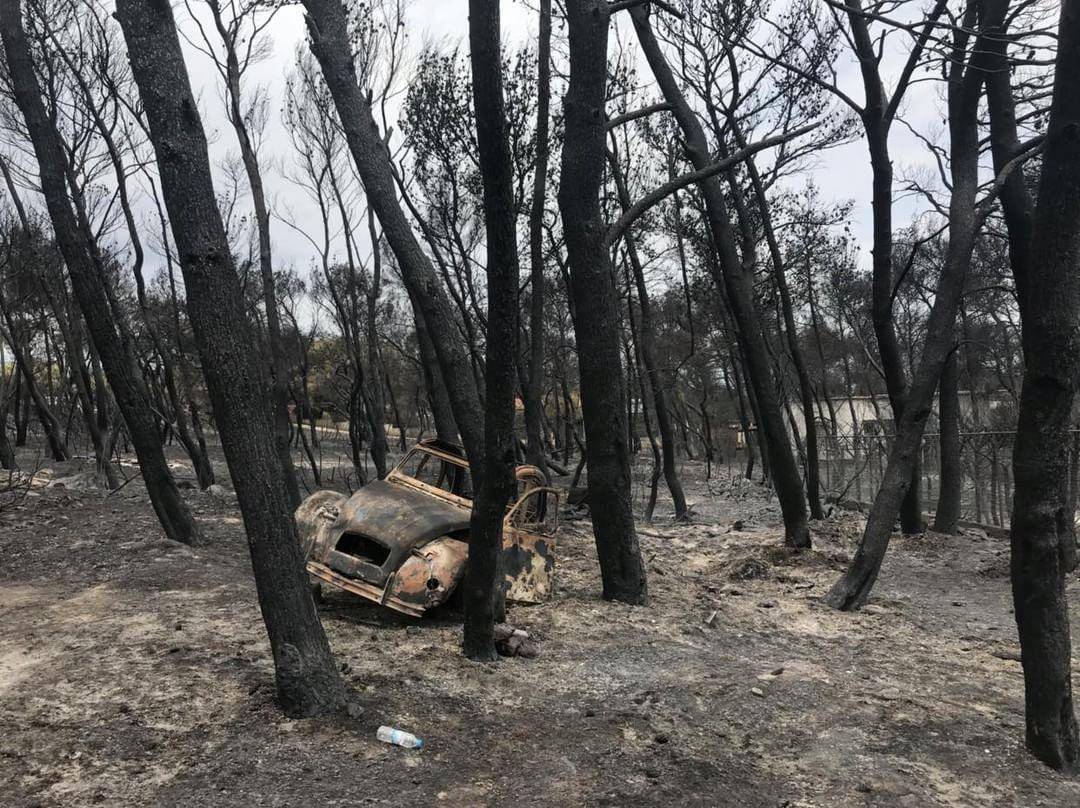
[[627, 117], [635, 211], [628, 4]]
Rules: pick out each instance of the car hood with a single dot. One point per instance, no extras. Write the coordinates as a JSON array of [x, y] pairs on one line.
[[398, 516]]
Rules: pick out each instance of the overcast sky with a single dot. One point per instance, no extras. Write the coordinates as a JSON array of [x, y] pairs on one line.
[[841, 174]]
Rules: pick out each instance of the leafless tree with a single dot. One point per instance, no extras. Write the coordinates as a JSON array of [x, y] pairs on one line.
[[84, 263], [237, 43], [308, 681]]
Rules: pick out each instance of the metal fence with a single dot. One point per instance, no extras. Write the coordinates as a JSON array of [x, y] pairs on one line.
[[852, 467]]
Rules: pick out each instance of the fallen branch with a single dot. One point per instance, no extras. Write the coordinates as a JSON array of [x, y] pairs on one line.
[[120, 487]]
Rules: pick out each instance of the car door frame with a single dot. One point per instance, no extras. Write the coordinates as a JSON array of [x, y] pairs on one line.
[[528, 556]]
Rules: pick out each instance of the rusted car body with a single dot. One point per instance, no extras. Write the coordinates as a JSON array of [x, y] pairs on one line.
[[403, 541]]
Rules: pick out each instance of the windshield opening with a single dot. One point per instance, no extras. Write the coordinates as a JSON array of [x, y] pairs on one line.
[[438, 473]]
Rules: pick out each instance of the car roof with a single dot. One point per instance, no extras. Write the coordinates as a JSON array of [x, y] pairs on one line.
[[445, 446], [457, 452]]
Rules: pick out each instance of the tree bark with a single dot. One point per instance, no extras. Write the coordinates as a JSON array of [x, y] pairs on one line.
[[1042, 532], [308, 681], [947, 516], [496, 484], [881, 311], [21, 412], [88, 280], [379, 447], [534, 387], [596, 323], [7, 453]]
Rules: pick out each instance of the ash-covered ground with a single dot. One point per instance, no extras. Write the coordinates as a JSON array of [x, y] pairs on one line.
[[134, 671]]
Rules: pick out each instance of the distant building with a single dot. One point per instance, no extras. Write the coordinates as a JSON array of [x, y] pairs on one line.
[[872, 415]]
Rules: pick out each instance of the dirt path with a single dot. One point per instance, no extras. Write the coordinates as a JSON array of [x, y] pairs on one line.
[[135, 672]]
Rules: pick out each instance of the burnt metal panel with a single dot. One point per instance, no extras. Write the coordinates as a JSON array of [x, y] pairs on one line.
[[398, 516], [528, 554]]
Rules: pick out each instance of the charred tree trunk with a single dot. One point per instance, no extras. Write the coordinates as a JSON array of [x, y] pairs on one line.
[[379, 446], [740, 293], [306, 445], [87, 280], [196, 450], [1046, 267], [496, 484], [966, 73], [744, 418], [947, 516], [646, 344], [806, 390], [881, 311], [637, 369], [21, 413], [7, 453], [596, 320], [357, 415], [533, 388], [308, 681], [877, 117]]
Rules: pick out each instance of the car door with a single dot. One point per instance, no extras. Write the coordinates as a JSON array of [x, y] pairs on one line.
[[528, 554]]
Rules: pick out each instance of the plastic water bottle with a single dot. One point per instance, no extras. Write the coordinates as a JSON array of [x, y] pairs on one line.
[[399, 738]]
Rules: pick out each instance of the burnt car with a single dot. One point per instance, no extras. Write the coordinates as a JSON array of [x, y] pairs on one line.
[[403, 541]]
